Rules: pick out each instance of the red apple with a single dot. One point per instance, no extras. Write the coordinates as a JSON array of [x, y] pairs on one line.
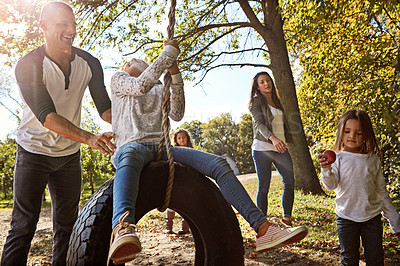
[[330, 155]]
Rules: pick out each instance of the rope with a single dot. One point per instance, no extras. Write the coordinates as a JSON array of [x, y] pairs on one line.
[[165, 125]]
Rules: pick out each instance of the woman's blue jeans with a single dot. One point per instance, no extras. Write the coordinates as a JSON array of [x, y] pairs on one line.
[[132, 157], [370, 232], [263, 161]]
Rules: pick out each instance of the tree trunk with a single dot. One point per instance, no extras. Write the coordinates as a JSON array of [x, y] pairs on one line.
[[305, 174], [306, 177]]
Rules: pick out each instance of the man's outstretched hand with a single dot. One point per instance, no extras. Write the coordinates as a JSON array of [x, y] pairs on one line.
[[102, 142]]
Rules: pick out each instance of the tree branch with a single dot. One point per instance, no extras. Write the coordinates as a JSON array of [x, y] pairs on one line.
[[205, 72], [214, 58], [243, 51], [149, 41], [255, 22], [11, 111], [96, 21], [210, 43], [109, 24], [209, 10]]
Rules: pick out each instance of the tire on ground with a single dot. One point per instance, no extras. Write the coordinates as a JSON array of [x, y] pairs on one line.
[[215, 228]]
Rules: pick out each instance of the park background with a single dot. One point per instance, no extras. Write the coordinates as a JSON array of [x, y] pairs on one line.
[[342, 55]]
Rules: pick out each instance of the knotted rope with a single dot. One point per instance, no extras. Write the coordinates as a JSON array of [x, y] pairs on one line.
[[165, 125]]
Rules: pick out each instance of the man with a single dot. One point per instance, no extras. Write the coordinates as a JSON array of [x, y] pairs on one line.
[[52, 80]]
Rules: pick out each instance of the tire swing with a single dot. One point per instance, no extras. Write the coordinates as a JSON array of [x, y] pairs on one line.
[[215, 228]]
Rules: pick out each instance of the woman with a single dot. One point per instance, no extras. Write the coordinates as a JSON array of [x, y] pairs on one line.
[[269, 145]]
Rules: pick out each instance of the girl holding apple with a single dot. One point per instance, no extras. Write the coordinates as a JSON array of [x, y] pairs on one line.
[[361, 195]]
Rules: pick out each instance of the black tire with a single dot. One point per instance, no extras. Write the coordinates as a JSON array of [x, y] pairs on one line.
[[215, 228]]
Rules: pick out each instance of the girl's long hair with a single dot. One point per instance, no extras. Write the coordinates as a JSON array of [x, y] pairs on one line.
[[255, 91], [184, 131], [370, 145]]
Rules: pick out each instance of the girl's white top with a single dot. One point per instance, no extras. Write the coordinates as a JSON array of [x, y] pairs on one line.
[[136, 103], [360, 188], [277, 126]]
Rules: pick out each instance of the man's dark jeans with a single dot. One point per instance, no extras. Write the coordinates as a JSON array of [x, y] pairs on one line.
[[32, 173]]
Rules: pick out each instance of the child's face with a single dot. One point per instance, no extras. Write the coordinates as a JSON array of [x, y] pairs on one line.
[[135, 67], [352, 136], [264, 83], [181, 139]]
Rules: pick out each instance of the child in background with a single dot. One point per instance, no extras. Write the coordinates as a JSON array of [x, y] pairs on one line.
[[181, 138], [361, 195]]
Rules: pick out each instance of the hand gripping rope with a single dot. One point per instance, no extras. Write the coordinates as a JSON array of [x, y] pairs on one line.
[[165, 125]]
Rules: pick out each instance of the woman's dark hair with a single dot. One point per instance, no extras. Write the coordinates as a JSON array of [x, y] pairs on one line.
[[370, 145], [256, 92], [184, 131]]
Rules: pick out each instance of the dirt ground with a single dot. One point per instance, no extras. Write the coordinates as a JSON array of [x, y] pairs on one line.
[[160, 248]]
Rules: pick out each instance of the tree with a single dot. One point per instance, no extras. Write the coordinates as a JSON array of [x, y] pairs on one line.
[[244, 158], [350, 55], [220, 135], [96, 167], [20, 28], [196, 132], [211, 33], [8, 149]]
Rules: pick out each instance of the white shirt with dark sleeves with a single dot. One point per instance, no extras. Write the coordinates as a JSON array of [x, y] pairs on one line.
[[360, 188], [137, 102], [45, 89]]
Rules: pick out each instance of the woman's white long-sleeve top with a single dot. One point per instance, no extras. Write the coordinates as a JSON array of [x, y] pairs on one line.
[[136, 103], [360, 188]]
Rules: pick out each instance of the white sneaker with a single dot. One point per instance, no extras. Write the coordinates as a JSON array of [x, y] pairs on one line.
[[277, 237]]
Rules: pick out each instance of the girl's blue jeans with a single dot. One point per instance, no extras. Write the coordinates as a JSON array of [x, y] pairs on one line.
[[263, 161], [370, 232], [132, 157]]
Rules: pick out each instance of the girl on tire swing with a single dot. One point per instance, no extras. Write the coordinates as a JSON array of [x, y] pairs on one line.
[[136, 120]]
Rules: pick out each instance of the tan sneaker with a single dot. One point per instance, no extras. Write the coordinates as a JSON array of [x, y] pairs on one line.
[[277, 237], [124, 244]]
